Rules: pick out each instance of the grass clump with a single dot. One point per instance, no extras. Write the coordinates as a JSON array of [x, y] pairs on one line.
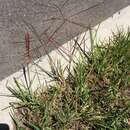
[[94, 95]]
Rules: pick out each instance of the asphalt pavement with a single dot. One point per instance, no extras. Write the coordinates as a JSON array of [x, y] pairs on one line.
[[50, 23]]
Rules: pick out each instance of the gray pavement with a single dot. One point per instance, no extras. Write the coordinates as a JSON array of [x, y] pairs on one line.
[[50, 23]]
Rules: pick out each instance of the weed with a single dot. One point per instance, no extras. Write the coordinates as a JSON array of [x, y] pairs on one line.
[[94, 94]]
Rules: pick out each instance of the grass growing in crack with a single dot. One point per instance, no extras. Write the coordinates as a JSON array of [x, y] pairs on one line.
[[94, 95]]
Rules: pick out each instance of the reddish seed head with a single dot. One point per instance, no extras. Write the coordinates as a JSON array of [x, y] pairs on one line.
[[27, 45]]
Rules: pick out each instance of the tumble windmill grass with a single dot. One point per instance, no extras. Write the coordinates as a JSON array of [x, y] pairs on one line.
[[93, 94]]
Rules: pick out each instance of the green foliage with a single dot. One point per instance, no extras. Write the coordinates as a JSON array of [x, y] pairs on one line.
[[94, 94]]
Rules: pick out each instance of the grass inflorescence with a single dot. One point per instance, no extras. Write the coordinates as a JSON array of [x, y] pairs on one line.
[[93, 95]]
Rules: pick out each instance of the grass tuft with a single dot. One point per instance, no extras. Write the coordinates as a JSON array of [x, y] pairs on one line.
[[93, 95]]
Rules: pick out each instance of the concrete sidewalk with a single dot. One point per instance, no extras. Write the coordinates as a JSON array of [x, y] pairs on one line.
[[60, 19]]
